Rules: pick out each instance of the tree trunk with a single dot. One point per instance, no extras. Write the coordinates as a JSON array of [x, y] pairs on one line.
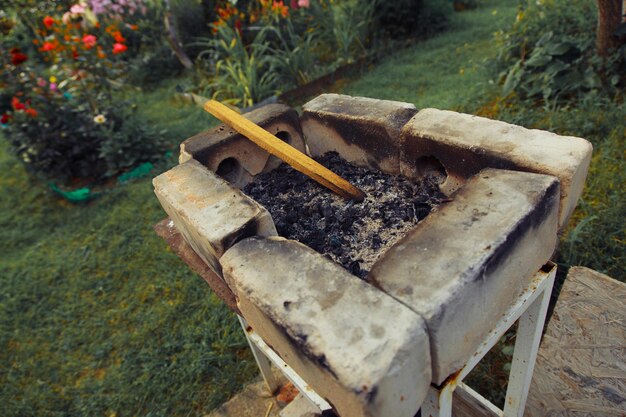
[[609, 17], [173, 38]]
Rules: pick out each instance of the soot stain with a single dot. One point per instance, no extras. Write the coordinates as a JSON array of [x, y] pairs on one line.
[[349, 233]]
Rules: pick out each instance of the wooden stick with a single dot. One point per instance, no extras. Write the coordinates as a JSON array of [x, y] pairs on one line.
[[284, 151]]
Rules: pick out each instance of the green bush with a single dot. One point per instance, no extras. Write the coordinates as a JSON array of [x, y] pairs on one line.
[[404, 18], [60, 110], [549, 54]]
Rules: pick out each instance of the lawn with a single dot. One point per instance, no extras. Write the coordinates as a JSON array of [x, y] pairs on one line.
[[99, 317]]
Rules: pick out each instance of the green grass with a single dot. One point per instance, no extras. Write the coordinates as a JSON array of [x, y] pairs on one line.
[[446, 71], [99, 318]]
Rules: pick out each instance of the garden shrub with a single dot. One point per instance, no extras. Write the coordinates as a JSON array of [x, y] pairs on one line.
[[549, 54], [404, 18], [60, 111], [240, 75], [262, 48]]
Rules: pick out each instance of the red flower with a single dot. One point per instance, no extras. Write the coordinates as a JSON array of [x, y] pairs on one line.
[[117, 35], [5, 119], [89, 41], [48, 21], [119, 48], [31, 112], [17, 105], [17, 57], [48, 46]]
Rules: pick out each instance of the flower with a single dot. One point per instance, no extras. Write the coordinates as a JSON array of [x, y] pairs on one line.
[[31, 112], [5, 119], [53, 87], [48, 46], [89, 41], [280, 8], [48, 22], [17, 57], [99, 119], [119, 48], [41, 82], [117, 35], [77, 9], [16, 104], [303, 3]]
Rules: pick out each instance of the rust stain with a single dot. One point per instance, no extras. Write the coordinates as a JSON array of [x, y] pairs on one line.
[[452, 379]]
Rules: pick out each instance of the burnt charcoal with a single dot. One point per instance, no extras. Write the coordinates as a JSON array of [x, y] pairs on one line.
[[352, 234]]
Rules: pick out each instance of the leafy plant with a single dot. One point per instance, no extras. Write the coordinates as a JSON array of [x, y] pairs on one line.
[[60, 107], [560, 64], [352, 26], [292, 54], [242, 75]]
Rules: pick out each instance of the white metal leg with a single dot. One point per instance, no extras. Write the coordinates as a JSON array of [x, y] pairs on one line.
[[265, 356], [261, 360], [527, 341], [530, 308]]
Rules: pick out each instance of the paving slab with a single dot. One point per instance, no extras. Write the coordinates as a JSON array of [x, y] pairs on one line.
[[254, 400], [581, 365]]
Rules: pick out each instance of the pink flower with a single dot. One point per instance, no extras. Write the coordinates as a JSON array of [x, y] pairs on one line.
[[41, 82], [77, 9], [89, 41], [303, 3], [53, 87], [119, 48]]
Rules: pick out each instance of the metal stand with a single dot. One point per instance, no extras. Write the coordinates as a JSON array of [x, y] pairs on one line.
[[530, 308], [264, 355]]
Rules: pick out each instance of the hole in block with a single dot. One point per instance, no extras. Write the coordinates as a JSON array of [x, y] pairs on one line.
[[430, 167]]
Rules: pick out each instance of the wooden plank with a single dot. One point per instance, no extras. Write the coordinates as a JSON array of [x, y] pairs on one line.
[[581, 365], [468, 403], [284, 151], [167, 231]]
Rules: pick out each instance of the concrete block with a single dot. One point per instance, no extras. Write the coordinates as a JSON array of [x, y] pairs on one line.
[[210, 213], [463, 144], [364, 131], [300, 407], [463, 265], [236, 158], [367, 354]]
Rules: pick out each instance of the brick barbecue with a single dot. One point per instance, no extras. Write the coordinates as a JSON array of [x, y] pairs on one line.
[[373, 347]]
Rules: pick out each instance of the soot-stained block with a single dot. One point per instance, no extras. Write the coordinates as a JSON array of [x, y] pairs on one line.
[[210, 213], [364, 131], [236, 158], [363, 351], [463, 265], [463, 144]]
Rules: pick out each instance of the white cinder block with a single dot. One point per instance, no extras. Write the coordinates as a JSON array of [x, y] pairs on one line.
[[367, 354], [364, 131], [211, 214], [465, 144], [463, 265]]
